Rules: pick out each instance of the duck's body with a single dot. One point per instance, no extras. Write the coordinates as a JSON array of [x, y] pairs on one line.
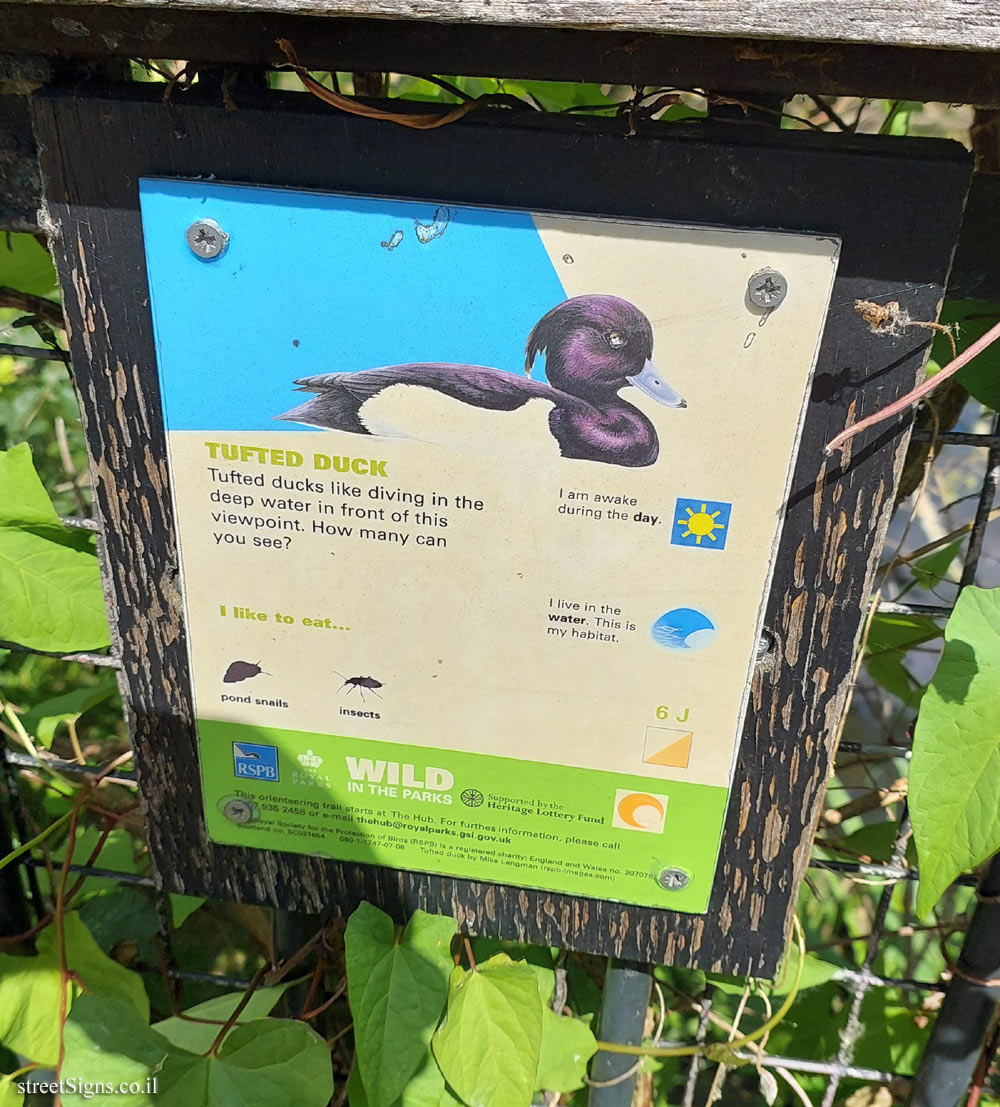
[[588, 361]]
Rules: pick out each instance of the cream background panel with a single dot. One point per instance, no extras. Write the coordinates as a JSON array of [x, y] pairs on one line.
[[458, 635]]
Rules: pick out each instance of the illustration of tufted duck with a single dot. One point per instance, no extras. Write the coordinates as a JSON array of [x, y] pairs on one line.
[[594, 347]]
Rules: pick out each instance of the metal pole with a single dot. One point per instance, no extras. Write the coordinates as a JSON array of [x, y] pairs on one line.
[[969, 1007], [627, 986]]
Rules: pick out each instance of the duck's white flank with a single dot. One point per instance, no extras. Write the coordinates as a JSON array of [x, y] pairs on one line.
[[425, 415]]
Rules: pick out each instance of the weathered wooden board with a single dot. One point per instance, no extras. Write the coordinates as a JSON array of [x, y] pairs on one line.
[[967, 24], [753, 65], [897, 207]]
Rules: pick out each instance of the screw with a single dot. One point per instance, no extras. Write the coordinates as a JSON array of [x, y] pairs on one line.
[[674, 879], [238, 810], [206, 239], [767, 288], [765, 643]]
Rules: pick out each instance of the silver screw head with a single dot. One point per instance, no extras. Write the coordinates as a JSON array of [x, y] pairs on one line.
[[238, 810], [206, 239], [674, 879], [767, 288]]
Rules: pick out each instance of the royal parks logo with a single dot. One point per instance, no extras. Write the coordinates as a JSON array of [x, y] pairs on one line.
[[255, 762]]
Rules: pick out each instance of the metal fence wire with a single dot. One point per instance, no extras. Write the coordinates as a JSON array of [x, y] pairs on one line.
[[970, 989]]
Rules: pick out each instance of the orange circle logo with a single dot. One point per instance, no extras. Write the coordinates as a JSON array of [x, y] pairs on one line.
[[641, 810]]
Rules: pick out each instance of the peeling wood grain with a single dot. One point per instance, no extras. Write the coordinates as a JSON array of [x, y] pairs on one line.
[[897, 206], [967, 24]]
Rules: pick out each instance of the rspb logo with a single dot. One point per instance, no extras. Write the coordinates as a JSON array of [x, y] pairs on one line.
[[253, 762]]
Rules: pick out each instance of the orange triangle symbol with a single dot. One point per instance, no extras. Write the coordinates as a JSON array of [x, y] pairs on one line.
[[676, 755]]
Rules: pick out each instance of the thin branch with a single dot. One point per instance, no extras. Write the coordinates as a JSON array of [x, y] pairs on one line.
[[441, 83], [48, 310], [258, 976], [829, 112], [918, 393]]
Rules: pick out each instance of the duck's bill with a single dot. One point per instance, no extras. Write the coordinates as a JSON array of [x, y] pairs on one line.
[[651, 381]]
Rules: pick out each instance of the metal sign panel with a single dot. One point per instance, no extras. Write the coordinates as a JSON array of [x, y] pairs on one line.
[[474, 565]]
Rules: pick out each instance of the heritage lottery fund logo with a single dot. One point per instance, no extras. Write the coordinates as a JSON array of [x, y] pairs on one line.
[[645, 811]]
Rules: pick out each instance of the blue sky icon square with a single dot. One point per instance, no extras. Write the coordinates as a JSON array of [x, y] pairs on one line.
[[701, 523], [254, 762]]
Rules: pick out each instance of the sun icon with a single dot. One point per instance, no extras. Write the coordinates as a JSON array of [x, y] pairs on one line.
[[695, 520], [701, 524]]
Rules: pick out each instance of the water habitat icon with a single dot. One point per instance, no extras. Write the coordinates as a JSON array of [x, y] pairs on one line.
[[684, 628], [703, 523], [644, 811], [254, 762]]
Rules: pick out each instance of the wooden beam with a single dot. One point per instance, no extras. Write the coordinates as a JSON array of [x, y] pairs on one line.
[[965, 24], [565, 54]]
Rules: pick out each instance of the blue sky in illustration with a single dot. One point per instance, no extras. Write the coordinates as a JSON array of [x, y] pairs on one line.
[[306, 287]]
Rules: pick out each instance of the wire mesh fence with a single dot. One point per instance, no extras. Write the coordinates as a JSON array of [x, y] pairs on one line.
[[868, 765]]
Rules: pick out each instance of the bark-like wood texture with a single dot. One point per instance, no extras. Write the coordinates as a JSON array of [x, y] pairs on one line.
[[969, 24], [897, 206]]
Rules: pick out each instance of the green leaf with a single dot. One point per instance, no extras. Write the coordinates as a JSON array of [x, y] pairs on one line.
[[426, 1088], [182, 907], [397, 992], [933, 568], [815, 972], [982, 375], [875, 842], [889, 637], [44, 718], [728, 985], [108, 1043], [583, 994], [488, 1045], [685, 982], [9, 1095], [29, 1006], [567, 1046], [955, 772], [50, 586], [23, 499], [25, 265], [122, 915], [541, 958], [199, 1036], [898, 633], [893, 1036], [50, 595], [29, 989], [100, 975], [260, 1064]]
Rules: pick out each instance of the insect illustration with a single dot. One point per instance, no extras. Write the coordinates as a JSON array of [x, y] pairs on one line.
[[242, 670], [361, 683]]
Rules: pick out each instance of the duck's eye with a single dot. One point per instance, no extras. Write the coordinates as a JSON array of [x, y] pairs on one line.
[[616, 340]]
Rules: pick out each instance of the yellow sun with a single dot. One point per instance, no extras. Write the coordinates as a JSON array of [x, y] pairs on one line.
[[701, 524]]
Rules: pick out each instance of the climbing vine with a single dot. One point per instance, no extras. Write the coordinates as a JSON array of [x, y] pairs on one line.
[[423, 1015]]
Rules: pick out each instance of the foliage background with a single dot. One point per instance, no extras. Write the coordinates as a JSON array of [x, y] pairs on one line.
[[339, 1035]]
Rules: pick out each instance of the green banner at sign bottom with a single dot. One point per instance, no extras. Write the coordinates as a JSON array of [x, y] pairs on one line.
[[611, 836]]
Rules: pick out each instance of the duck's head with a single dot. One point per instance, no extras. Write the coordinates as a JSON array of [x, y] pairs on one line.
[[594, 346]]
